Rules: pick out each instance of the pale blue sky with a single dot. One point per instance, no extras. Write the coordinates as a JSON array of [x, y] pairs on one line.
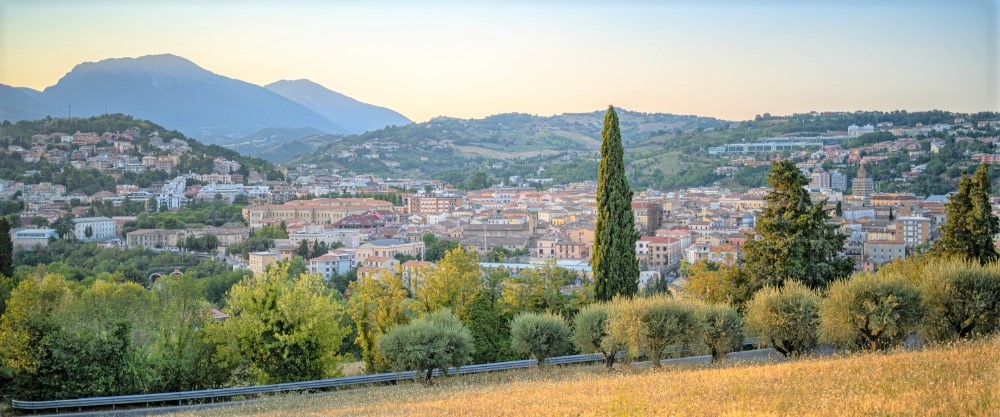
[[471, 59]]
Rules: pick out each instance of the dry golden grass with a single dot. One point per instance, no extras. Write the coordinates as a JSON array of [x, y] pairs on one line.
[[960, 380]]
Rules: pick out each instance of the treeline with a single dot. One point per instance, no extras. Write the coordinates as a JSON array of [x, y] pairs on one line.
[[259, 240], [197, 214], [946, 166], [483, 302], [88, 262], [873, 312], [103, 335]]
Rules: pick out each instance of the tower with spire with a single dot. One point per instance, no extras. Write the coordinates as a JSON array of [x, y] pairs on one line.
[[862, 185]]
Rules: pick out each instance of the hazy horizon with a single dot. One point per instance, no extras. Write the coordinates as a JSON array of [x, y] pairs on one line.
[[720, 59]]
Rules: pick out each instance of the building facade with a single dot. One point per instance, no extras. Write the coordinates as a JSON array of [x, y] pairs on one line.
[[29, 238], [338, 261], [101, 228], [317, 211]]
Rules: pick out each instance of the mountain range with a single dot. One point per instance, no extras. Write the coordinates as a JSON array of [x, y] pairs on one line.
[[183, 96]]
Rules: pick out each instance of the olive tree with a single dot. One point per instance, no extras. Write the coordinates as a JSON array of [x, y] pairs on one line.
[[541, 335], [435, 341], [869, 311], [722, 329], [652, 324], [591, 334], [960, 299], [786, 319]]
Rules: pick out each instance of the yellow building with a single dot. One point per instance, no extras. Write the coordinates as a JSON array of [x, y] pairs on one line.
[[316, 211], [260, 260]]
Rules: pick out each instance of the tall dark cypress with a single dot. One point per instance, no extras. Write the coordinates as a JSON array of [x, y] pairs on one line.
[[956, 240], [6, 249], [616, 269], [981, 222]]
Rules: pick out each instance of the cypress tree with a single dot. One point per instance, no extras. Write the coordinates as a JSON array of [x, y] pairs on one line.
[[303, 250], [616, 269], [956, 240], [982, 224], [6, 249]]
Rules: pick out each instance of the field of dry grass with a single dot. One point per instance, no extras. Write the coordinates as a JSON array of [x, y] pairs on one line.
[[959, 380]]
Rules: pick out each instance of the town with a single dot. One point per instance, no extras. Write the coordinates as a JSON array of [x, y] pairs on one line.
[[344, 226]]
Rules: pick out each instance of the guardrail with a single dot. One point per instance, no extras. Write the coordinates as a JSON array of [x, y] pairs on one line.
[[180, 397]]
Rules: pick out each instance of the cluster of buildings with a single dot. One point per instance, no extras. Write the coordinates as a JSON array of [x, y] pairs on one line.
[[110, 152], [373, 236]]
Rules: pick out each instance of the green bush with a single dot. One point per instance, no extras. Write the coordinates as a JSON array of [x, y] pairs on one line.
[[649, 325], [869, 311], [785, 319], [435, 341], [591, 333], [541, 335], [961, 299], [722, 329]]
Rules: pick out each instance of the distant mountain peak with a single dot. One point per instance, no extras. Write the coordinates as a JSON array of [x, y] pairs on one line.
[[154, 64], [175, 91], [300, 81], [353, 115]]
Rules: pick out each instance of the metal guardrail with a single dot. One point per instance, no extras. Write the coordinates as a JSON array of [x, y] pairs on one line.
[[180, 397]]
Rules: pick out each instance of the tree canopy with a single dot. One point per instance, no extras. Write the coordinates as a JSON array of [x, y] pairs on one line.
[[793, 239]]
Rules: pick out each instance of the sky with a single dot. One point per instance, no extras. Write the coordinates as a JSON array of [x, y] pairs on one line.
[[727, 59]]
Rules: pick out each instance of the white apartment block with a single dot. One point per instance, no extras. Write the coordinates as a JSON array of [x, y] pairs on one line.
[[101, 228], [337, 260]]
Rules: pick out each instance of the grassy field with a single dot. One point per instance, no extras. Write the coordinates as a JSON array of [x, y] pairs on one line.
[[960, 380]]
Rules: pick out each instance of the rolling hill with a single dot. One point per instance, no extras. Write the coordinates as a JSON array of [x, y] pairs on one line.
[[17, 103]]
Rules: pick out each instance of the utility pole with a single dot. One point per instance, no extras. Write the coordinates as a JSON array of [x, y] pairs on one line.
[[69, 111]]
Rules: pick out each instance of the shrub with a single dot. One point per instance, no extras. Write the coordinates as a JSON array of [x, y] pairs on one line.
[[869, 311], [785, 319], [652, 324], [591, 333], [540, 335], [960, 299], [435, 341], [722, 329]]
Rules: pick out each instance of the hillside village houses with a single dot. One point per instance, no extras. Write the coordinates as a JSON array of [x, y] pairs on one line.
[[554, 225]]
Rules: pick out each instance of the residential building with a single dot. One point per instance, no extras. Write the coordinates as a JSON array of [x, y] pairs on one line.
[[412, 269], [389, 248], [705, 252], [154, 238], [171, 195], [855, 130], [381, 262], [880, 252], [912, 230], [259, 261], [101, 228], [432, 204], [647, 216], [338, 261], [350, 238]]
